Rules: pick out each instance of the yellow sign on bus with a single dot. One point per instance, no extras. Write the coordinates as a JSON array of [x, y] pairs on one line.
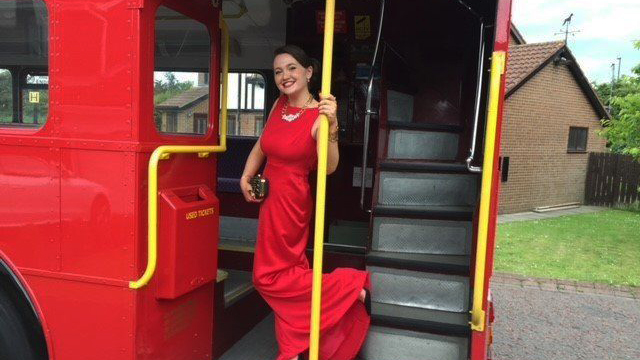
[[362, 26], [34, 96]]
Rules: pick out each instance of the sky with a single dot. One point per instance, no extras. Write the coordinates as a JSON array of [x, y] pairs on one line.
[[607, 30]]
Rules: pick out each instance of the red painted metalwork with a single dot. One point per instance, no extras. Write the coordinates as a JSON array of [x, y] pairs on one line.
[[188, 236], [75, 232], [480, 340]]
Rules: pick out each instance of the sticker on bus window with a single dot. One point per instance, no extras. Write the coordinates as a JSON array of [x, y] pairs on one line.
[[362, 26], [339, 22], [34, 97]]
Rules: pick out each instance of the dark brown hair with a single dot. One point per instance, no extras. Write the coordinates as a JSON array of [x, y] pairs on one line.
[[306, 61]]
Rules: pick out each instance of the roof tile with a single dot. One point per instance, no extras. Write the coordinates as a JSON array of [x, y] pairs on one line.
[[185, 98], [525, 59]]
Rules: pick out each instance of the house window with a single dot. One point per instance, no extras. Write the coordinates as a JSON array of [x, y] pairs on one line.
[[181, 77], [245, 104], [200, 123], [577, 139], [24, 84], [171, 123]]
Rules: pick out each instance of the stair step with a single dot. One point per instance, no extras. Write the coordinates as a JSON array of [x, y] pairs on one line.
[[422, 236], [239, 245], [238, 228], [458, 264], [424, 126], [423, 166], [237, 285], [419, 319], [439, 212], [426, 145], [427, 189], [392, 344], [419, 289]]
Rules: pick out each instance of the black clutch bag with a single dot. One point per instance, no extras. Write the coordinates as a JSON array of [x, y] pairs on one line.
[[259, 186]]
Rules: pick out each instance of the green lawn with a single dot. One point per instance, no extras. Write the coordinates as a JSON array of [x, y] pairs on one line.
[[599, 247]]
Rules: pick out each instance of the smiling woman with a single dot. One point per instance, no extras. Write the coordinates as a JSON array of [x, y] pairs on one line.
[[281, 271]]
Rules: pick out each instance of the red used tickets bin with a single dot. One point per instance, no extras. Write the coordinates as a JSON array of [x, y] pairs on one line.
[[188, 226]]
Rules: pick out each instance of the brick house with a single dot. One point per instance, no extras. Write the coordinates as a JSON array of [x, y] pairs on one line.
[[551, 119], [187, 113]]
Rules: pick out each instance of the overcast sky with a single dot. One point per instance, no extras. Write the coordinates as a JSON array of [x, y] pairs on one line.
[[607, 30]]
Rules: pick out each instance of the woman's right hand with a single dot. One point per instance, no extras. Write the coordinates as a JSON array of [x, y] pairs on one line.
[[247, 190]]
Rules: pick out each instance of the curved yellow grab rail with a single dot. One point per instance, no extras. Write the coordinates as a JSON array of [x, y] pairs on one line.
[[323, 139], [163, 152], [497, 69]]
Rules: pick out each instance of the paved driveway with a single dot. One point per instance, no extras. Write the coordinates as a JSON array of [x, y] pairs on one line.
[[535, 324]]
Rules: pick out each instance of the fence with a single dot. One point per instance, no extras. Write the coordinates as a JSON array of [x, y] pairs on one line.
[[612, 179]]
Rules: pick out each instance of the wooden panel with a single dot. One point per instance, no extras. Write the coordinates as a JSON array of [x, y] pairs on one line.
[[612, 179]]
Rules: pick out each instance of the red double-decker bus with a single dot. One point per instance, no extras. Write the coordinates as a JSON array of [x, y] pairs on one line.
[[123, 231]]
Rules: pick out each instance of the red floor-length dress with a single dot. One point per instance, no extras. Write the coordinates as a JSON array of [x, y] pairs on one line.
[[281, 271]]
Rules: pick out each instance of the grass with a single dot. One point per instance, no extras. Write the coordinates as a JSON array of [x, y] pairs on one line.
[[594, 247]]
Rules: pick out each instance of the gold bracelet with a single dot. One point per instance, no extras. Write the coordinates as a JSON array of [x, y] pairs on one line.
[[333, 137]]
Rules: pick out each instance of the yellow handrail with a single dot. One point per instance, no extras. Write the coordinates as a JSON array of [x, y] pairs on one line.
[[323, 138], [477, 312], [163, 152]]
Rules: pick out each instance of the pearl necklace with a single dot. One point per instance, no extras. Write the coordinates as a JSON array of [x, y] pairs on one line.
[[293, 117]]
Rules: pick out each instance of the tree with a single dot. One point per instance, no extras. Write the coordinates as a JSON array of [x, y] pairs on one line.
[[6, 103], [169, 87], [623, 130]]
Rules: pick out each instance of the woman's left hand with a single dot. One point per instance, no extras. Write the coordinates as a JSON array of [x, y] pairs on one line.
[[329, 107]]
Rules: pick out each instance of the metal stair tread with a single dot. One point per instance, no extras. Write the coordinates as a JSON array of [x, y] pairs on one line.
[[428, 211], [423, 166], [237, 284], [458, 264], [424, 126], [420, 319], [387, 343], [240, 245]]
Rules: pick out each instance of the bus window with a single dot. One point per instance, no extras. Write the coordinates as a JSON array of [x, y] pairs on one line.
[[35, 98], [245, 104], [181, 79], [24, 49]]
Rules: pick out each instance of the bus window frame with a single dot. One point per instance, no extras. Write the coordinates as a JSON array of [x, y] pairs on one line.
[[267, 75], [167, 136]]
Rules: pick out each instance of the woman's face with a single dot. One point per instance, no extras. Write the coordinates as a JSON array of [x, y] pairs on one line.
[[290, 76]]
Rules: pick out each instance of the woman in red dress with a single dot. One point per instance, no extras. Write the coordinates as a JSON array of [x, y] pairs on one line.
[[281, 271]]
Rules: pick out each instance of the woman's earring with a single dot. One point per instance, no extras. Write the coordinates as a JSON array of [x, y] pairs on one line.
[[308, 79]]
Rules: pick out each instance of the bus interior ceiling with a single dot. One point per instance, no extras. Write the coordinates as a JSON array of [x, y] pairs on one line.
[[426, 73]]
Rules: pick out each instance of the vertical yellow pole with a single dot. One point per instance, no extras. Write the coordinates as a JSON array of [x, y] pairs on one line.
[[222, 122], [323, 138], [497, 69]]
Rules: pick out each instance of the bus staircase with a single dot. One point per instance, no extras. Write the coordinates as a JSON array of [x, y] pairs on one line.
[[422, 230]]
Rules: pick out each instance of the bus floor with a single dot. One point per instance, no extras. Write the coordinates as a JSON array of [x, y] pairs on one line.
[[259, 343]]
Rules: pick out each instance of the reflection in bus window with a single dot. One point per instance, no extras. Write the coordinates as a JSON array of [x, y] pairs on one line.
[[24, 49], [245, 104], [181, 79], [6, 97]]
